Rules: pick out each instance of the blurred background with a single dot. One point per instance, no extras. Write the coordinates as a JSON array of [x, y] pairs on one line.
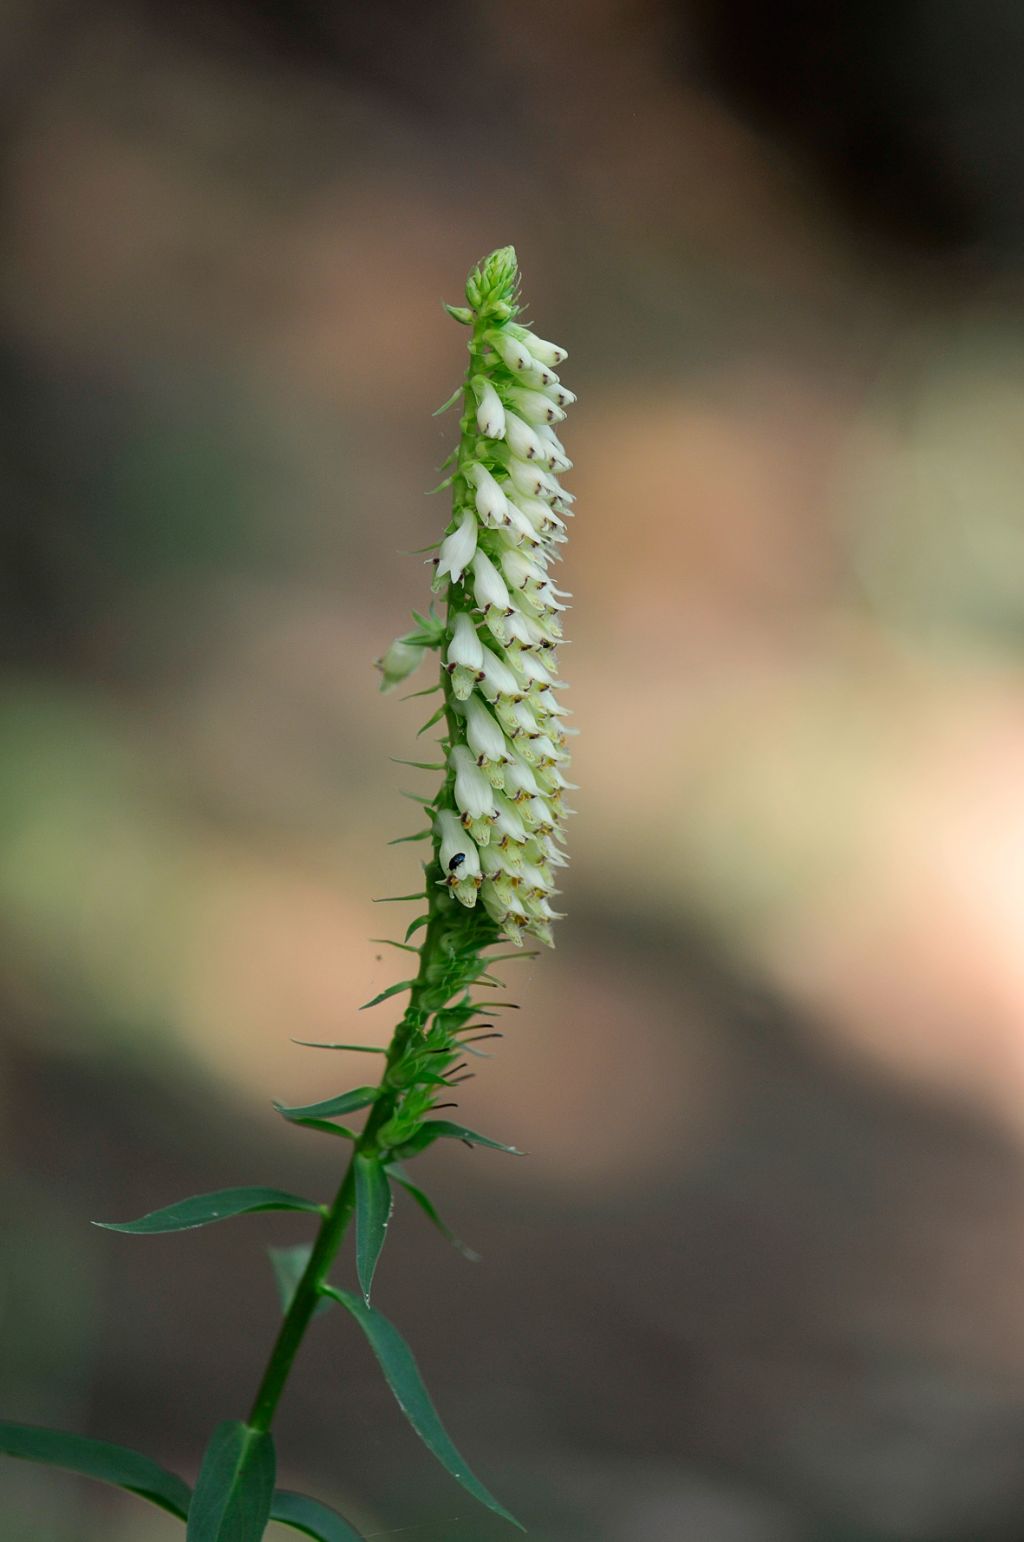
[[759, 1279]]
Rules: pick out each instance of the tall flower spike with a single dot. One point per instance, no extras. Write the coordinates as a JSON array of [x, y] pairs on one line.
[[504, 742]]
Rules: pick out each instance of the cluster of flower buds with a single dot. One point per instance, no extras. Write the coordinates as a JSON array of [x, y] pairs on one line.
[[501, 844]]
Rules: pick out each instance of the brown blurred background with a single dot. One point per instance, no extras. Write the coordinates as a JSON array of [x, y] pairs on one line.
[[760, 1278]]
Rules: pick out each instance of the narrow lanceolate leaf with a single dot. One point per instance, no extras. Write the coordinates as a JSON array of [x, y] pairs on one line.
[[443, 1129], [204, 1209], [404, 840], [312, 1517], [347, 1103], [403, 1377], [392, 990], [429, 1209], [289, 1265], [100, 1460], [373, 1212], [235, 1486], [326, 1127], [414, 926], [362, 1049], [434, 718]]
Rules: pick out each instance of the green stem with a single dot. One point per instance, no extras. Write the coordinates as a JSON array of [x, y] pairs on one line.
[[335, 1223], [425, 998]]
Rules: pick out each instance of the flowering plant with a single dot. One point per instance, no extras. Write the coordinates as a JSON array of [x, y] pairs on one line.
[[494, 829]]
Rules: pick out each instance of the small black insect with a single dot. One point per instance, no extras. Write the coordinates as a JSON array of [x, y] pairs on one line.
[[456, 861]]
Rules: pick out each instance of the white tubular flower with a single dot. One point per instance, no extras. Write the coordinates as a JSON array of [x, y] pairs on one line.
[[490, 500], [532, 480], [510, 917], [520, 781], [465, 656], [543, 351], [490, 414], [519, 568], [553, 449], [473, 794], [534, 406], [488, 585], [518, 527], [508, 823], [524, 442], [532, 670], [398, 663], [557, 392], [498, 678], [465, 647], [508, 628], [459, 859], [456, 551], [484, 735], [512, 353]]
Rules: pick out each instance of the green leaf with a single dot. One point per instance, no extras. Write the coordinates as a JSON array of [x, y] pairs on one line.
[[419, 765], [347, 1103], [402, 1375], [457, 312], [392, 990], [235, 1486], [204, 1209], [289, 1265], [414, 926], [434, 718], [100, 1460], [406, 840], [326, 1127], [312, 1517], [429, 1209], [362, 1049], [373, 1212], [443, 1129], [397, 899], [428, 690], [403, 947]]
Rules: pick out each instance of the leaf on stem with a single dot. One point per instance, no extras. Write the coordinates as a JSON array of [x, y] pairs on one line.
[[392, 990], [310, 1516], [373, 1212], [443, 1129], [405, 840], [289, 1265], [403, 1377], [235, 1486], [326, 1127], [204, 1209], [362, 1049], [459, 389], [429, 1209], [434, 718], [346, 1103], [98, 1459], [414, 926]]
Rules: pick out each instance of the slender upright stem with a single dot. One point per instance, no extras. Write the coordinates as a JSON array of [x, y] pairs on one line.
[[335, 1223], [426, 997]]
